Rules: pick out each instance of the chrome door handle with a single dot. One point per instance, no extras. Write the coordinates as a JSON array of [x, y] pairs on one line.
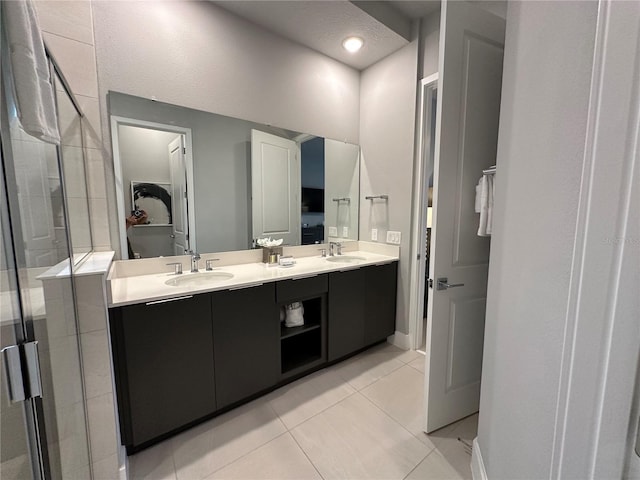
[[443, 285]]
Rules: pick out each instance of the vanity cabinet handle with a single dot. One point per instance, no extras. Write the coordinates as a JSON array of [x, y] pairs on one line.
[[302, 277], [165, 300], [241, 287]]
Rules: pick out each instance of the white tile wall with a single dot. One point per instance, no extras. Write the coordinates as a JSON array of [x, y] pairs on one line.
[[71, 19], [97, 363], [77, 61], [102, 428]]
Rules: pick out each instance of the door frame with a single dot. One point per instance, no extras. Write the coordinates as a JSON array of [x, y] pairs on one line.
[[426, 89], [116, 121]]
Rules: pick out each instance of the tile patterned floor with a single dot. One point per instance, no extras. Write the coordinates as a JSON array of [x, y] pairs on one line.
[[360, 419]]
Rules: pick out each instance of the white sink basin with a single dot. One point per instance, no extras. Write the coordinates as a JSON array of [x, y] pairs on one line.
[[346, 259], [198, 279]]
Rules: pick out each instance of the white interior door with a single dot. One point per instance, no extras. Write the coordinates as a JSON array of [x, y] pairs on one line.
[[179, 208], [35, 201], [275, 187], [471, 53]]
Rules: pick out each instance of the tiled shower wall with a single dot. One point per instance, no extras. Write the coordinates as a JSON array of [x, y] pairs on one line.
[[67, 28]]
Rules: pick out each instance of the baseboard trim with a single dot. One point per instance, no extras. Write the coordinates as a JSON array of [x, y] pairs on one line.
[[401, 340], [477, 464]]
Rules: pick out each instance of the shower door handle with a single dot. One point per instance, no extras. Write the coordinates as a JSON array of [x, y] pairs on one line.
[[13, 369]]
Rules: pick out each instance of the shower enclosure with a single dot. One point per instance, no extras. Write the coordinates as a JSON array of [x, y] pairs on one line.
[[45, 235]]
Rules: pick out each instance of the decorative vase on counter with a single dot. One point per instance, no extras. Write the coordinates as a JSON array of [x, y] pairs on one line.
[[271, 255]]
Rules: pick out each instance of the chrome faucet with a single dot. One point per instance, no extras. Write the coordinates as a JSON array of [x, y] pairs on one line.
[[195, 256], [337, 245]]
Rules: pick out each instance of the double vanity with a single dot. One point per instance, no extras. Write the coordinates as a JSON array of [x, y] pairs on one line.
[[189, 346]]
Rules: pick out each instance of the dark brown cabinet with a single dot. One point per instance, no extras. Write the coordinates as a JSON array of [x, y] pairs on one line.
[[362, 308], [246, 342], [181, 360], [163, 354], [380, 302], [346, 312]]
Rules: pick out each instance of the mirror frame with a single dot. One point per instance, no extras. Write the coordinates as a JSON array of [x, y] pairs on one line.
[[117, 121]]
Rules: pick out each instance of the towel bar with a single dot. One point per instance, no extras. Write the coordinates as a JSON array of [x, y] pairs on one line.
[[373, 197]]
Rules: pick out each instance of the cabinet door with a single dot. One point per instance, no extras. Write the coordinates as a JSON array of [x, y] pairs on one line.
[[246, 337], [380, 302], [346, 313], [164, 358]]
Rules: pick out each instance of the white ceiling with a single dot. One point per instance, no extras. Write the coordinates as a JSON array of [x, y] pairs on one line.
[[322, 24]]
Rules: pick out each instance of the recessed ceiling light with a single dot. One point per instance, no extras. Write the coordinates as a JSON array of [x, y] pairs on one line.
[[352, 44]]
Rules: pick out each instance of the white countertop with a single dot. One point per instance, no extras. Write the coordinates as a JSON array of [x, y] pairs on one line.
[[144, 288]]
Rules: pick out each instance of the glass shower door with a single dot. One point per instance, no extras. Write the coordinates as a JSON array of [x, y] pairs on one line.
[[47, 437], [17, 428]]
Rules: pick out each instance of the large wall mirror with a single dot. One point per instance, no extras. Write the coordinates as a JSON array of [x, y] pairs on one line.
[[213, 183]]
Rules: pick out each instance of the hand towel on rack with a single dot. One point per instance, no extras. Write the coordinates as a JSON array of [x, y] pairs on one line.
[[29, 71], [491, 179], [478, 206], [486, 206]]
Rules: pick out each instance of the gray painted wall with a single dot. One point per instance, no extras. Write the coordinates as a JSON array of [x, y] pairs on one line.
[[387, 124], [429, 43], [342, 170], [545, 95], [209, 59], [221, 165]]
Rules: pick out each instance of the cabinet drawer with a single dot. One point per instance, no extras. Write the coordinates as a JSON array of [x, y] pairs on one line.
[[296, 289]]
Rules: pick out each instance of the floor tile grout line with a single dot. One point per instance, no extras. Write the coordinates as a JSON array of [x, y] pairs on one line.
[[321, 411], [419, 463], [305, 454], [317, 413], [246, 454], [431, 449], [377, 379], [415, 368], [384, 376], [173, 459]]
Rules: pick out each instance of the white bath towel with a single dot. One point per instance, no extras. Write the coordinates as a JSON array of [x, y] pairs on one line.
[[486, 206], [29, 67], [478, 206]]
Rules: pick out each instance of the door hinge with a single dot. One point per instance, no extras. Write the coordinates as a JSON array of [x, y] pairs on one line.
[[185, 194], [22, 368], [431, 283], [184, 151]]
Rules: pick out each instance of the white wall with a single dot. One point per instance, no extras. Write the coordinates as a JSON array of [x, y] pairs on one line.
[[342, 170], [387, 124], [429, 43], [543, 123], [209, 59]]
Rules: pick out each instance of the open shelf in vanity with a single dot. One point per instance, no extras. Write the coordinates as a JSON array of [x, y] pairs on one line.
[[304, 347]]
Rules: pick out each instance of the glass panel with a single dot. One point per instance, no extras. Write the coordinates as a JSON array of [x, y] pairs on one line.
[[47, 293], [15, 455], [74, 173]]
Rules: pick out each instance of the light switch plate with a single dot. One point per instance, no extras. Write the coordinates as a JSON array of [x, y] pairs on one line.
[[394, 237], [333, 231], [374, 234], [345, 232]]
